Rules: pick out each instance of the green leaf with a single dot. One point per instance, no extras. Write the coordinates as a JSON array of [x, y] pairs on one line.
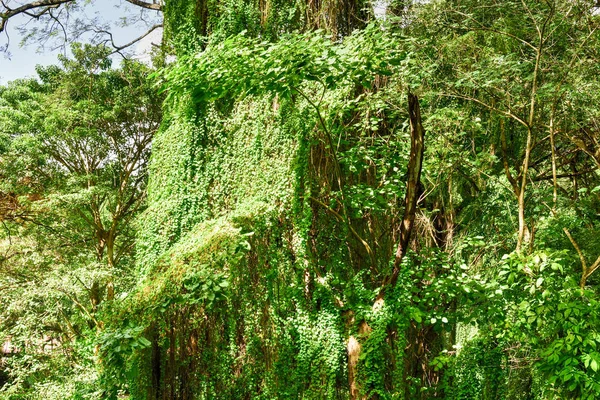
[[539, 282]]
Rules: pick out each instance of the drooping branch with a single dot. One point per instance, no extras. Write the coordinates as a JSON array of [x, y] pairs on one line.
[[490, 107]]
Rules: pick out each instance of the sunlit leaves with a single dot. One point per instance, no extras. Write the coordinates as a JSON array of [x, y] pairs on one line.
[[245, 66]]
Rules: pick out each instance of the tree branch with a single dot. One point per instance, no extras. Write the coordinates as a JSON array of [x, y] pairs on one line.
[[488, 106], [117, 48], [586, 272], [9, 13], [338, 171], [342, 219], [134, 41], [574, 243], [594, 267], [558, 176], [485, 28], [415, 164], [143, 4]]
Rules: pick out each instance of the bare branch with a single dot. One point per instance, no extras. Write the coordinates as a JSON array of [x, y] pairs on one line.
[[9, 13], [488, 106], [594, 267], [39, 14], [42, 10], [586, 272], [118, 49], [485, 28], [574, 243], [143, 4]]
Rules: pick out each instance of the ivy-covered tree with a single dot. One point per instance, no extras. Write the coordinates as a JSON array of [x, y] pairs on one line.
[[396, 201]]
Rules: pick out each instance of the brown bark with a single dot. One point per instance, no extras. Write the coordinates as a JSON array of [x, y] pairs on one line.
[[523, 230], [354, 348], [586, 270], [150, 6], [554, 175], [511, 179], [415, 165]]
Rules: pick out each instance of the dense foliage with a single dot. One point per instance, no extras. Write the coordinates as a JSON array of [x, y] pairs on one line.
[[75, 145], [343, 201]]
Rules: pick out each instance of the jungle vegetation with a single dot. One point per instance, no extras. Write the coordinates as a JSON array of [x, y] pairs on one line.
[[331, 199]]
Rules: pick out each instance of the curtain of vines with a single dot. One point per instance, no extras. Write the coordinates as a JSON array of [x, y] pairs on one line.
[[243, 171], [275, 202]]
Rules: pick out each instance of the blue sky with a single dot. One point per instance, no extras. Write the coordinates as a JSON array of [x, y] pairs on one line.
[[23, 60]]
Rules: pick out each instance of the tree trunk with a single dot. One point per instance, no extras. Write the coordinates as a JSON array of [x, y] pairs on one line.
[[415, 164]]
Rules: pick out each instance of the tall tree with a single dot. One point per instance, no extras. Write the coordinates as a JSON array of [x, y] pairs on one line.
[[74, 164]]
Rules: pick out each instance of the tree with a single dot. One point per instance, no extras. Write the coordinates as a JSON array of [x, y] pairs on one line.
[[302, 236], [74, 164], [491, 80], [542, 44]]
